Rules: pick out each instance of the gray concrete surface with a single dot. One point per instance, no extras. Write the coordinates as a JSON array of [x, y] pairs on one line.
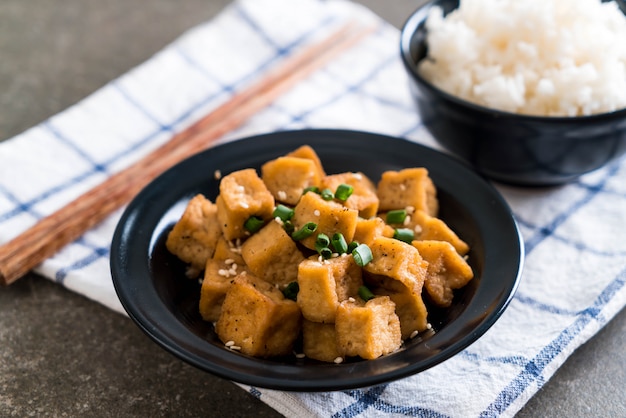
[[63, 355]]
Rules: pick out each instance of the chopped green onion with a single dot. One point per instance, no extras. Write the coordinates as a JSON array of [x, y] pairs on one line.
[[343, 192], [291, 291], [306, 231], [396, 216], [404, 234], [352, 246], [253, 224], [339, 243], [283, 212], [327, 194], [322, 240], [362, 254], [289, 228], [365, 293], [325, 252], [313, 189]]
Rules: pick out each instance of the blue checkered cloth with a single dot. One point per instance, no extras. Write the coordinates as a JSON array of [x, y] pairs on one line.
[[575, 273]]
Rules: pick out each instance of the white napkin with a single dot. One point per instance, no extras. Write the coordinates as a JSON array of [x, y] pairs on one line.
[[575, 273]]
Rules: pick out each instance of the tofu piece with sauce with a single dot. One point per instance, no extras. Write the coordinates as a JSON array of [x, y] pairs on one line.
[[272, 255], [242, 195], [319, 341], [325, 284], [364, 198], [397, 270], [287, 177], [368, 229], [329, 216], [368, 330], [219, 275], [429, 228], [447, 270], [410, 187], [194, 237], [258, 319]]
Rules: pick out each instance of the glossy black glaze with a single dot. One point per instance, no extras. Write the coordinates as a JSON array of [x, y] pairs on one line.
[[511, 148], [152, 287]]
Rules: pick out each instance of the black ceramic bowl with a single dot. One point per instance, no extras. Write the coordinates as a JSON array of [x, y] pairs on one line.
[[507, 147], [152, 287]]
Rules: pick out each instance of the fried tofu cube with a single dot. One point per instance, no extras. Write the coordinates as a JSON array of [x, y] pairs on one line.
[[363, 198], [410, 307], [305, 151], [368, 331], [272, 255], [429, 228], [329, 216], [257, 318], [195, 235], [368, 229], [215, 284], [319, 341], [447, 270], [399, 261], [324, 284], [242, 195], [410, 187], [226, 250], [287, 177]]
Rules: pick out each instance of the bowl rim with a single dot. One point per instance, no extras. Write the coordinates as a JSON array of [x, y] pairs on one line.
[[417, 20], [134, 240]]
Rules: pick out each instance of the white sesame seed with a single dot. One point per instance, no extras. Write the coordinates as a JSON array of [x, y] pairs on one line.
[[279, 221], [357, 176], [244, 205], [316, 212], [320, 259], [300, 355], [235, 347], [217, 174], [410, 210], [229, 261], [338, 360], [282, 195], [351, 299], [417, 229], [413, 334], [429, 326], [407, 220], [223, 272], [229, 343]]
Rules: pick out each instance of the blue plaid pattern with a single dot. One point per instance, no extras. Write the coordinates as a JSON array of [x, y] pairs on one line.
[[575, 274]]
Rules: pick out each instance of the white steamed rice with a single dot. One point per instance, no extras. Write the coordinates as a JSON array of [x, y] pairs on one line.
[[537, 57]]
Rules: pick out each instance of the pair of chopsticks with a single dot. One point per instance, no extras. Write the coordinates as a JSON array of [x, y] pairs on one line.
[[50, 234]]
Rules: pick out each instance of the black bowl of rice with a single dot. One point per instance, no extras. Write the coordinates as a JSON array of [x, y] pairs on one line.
[[529, 93]]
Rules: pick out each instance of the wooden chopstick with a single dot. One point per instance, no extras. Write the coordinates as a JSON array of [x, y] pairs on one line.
[[53, 232]]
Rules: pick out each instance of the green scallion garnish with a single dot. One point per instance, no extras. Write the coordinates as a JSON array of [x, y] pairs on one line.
[[322, 240], [306, 231], [313, 189], [291, 291], [338, 242], [253, 224], [283, 212], [327, 194], [404, 234], [396, 216], [362, 255], [365, 293], [325, 252], [289, 228], [343, 192], [352, 246]]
